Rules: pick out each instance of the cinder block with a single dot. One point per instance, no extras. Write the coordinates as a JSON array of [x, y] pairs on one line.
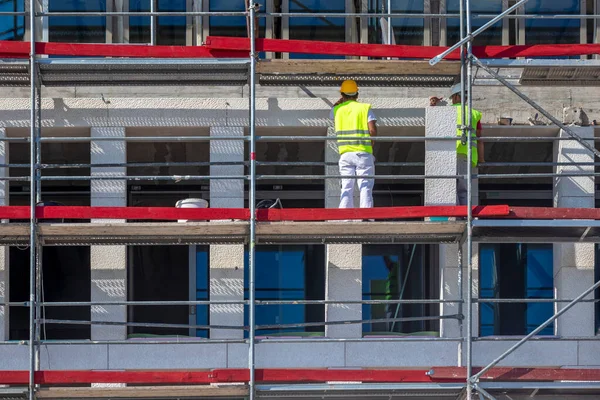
[[74, 357], [588, 353], [167, 356], [407, 354], [537, 353], [15, 357], [579, 320]]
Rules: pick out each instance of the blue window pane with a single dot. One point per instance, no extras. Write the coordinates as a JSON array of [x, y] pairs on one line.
[[408, 31], [552, 31], [12, 27], [232, 25], [77, 29], [394, 273], [170, 30], [317, 28], [280, 275], [492, 36], [515, 271], [202, 271], [539, 286]]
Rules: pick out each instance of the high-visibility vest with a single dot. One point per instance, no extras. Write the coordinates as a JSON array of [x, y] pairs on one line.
[[462, 148], [351, 119]]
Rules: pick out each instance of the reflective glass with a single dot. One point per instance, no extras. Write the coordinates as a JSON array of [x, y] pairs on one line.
[[77, 29], [317, 28], [232, 25], [12, 27], [287, 273], [409, 31], [515, 271], [397, 272], [552, 31], [492, 36], [170, 30]]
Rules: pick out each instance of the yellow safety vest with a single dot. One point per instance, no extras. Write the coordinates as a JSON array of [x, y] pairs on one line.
[[462, 148], [351, 119]]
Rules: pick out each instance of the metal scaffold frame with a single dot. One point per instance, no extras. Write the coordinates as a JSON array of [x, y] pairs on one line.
[[468, 60]]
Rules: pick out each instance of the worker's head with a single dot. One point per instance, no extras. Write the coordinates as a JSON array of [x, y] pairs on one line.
[[349, 90], [455, 93]]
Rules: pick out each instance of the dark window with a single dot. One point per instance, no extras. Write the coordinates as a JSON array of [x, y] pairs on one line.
[[409, 31], [65, 278], [399, 272], [317, 28], [84, 29], [550, 30], [492, 36], [233, 25], [12, 27], [515, 271], [288, 273], [162, 273], [170, 30]]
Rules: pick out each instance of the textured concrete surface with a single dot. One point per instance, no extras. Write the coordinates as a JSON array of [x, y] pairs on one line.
[[538, 353], [4, 261], [167, 356], [574, 263], [227, 151], [226, 284], [108, 263], [343, 282], [440, 156]]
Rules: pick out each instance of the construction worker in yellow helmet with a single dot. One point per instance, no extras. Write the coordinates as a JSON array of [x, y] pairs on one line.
[[462, 162], [355, 124]]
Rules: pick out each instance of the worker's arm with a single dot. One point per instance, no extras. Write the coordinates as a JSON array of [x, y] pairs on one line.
[[480, 148], [373, 130]]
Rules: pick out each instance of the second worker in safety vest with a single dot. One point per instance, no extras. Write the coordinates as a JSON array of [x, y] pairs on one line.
[[355, 124], [461, 145]]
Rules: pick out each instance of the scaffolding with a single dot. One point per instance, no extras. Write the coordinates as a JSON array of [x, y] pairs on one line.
[[249, 229]]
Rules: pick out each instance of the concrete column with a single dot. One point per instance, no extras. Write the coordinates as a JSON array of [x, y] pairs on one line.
[[343, 283], [227, 261], [574, 262], [344, 263], [440, 160], [108, 263], [4, 289]]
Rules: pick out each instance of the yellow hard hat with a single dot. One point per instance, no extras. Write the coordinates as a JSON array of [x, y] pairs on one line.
[[349, 87]]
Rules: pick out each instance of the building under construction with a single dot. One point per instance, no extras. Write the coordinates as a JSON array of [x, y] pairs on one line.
[[169, 187]]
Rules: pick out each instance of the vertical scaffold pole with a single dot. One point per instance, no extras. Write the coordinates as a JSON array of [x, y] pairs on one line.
[[153, 23], [252, 206], [468, 121], [32, 202]]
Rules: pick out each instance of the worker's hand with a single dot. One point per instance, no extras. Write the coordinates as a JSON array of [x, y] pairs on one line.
[[480, 159], [433, 100]]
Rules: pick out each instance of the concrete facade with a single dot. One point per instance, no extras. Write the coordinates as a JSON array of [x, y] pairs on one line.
[[110, 117], [574, 263], [108, 264]]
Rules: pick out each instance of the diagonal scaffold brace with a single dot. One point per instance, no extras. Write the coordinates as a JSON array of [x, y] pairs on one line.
[[540, 109]]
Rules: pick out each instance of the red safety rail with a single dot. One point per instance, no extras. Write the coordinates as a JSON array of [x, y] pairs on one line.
[[519, 374], [229, 47], [207, 214], [12, 49], [378, 213], [396, 51], [284, 375], [216, 376], [554, 213]]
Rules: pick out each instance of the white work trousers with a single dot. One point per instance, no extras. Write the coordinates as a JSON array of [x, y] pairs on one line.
[[357, 164]]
